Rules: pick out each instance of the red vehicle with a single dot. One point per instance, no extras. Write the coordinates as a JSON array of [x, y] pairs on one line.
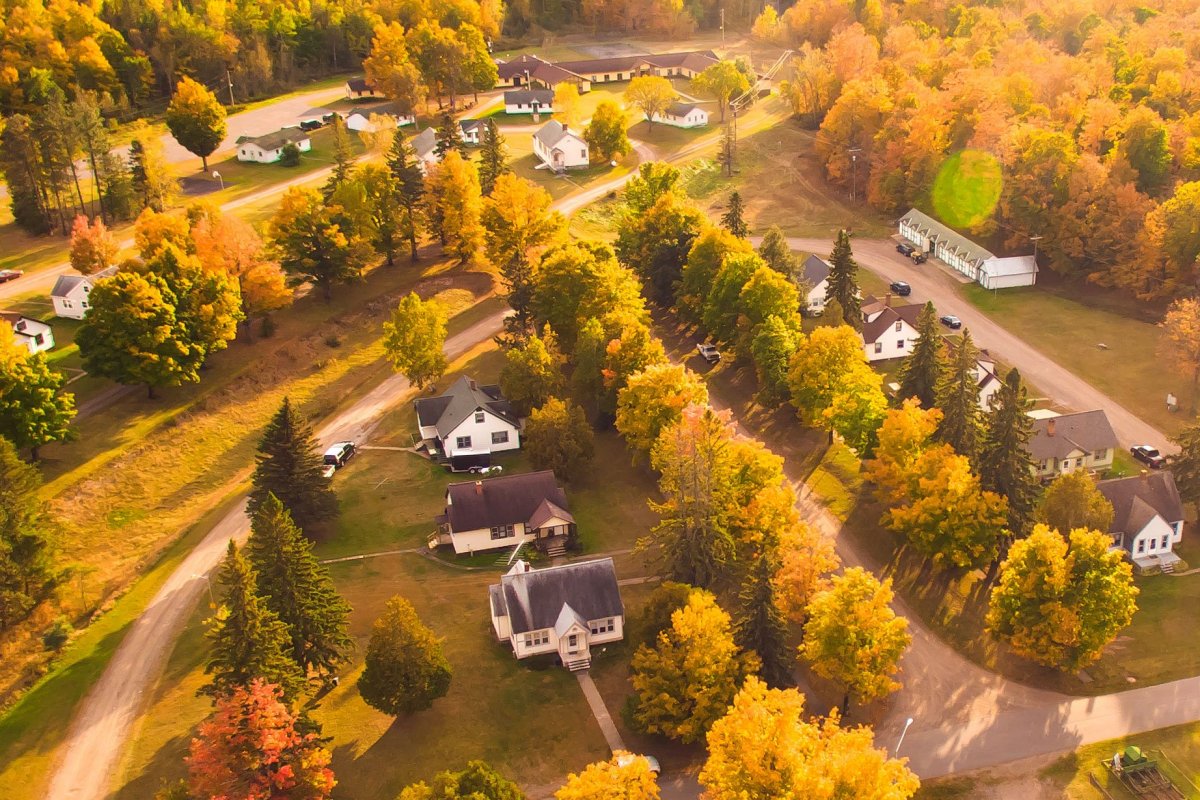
[[7, 275]]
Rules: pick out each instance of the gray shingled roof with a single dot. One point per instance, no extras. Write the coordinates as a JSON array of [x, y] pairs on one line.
[[955, 242], [544, 97], [470, 124], [693, 59], [552, 133], [360, 85], [509, 69], [539, 599], [1137, 499], [392, 108], [464, 397], [1088, 431], [275, 140], [678, 109], [507, 500], [67, 283], [424, 142], [815, 270], [547, 511]]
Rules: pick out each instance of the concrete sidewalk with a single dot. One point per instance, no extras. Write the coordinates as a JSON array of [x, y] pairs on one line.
[[600, 711]]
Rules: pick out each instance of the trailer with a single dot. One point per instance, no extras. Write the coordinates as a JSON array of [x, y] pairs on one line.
[[1140, 774]]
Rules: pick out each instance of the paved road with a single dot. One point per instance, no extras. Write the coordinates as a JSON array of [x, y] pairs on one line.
[[93, 747]]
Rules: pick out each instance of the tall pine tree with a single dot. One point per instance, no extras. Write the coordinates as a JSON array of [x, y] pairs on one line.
[[449, 138], [843, 280], [1185, 465], [759, 625], [410, 190], [1005, 465], [958, 398], [297, 588], [343, 157], [290, 467], [734, 218], [247, 640], [922, 370], [493, 157]]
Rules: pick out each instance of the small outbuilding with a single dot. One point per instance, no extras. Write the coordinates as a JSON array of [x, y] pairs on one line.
[[359, 119], [268, 149], [34, 335], [978, 263], [424, 146], [529, 101], [357, 88], [816, 277], [471, 130], [683, 115]]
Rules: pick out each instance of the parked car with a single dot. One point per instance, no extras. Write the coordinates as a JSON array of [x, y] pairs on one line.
[[901, 288], [951, 321], [919, 258], [330, 117], [1148, 455], [627, 758], [709, 352], [339, 453], [311, 124], [7, 275], [905, 249]]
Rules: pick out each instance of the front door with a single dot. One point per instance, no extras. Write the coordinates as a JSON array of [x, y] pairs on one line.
[[573, 643]]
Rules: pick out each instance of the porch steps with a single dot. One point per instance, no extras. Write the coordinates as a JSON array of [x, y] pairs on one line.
[[579, 664], [556, 549], [1168, 567]]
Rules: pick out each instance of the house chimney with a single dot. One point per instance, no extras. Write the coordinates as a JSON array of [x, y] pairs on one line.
[[1050, 427], [887, 300], [479, 487], [471, 383]]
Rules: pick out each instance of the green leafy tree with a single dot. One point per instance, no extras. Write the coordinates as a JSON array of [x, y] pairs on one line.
[[152, 183], [557, 437], [633, 349], [734, 218], [685, 682], [775, 250], [580, 281], [922, 371], [247, 641], [1061, 600], [493, 157], [133, 336], [958, 398], [759, 625], [819, 368], [651, 95], [854, 638], [1005, 464], [606, 134], [310, 244], [653, 400], [294, 585], [843, 280], [766, 294], [196, 119], [722, 307], [772, 348], [857, 407], [208, 304], [386, 220], [415, 339], [533, 372], [26, 535], [653, 180], [1185, 465], [724, 81], [709, 250], [656, 243], [655, 617], [289, 468], [1073, 501], [478, 781], [34, 410], [406, 669], [1145, 144], [410, 191]]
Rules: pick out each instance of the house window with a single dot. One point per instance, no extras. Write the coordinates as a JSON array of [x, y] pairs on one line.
[[537, 638], [879, 347], [499, 437], [503, 532], [479, 416], [1042, 466], [1141, 545], [606, 76], [1163, 545], [602, 625], [38, 340], [583, 153], [67, 304], [1152, 548], [1100, 455], [899, 344], [84, 304], [463, 442], [898, 326]]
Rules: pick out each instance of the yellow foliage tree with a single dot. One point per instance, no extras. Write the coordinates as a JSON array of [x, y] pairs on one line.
[[568, 107], [623, 776]]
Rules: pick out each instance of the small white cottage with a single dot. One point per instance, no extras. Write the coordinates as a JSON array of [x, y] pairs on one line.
[[268, 149], [888, 331], [816, 277], [359, 119], [34, 335], [529, 101], [471, 130], [70, 293], [357, 88], [559, 148], [683, 115], [1147, 518]]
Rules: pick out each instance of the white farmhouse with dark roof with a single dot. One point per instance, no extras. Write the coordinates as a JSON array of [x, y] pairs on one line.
[[559, 148], [470, 130], [1063, 443], [816, 277], [34, 335], [888, 331], [70, 293], [468, 417], [1147, 518], [496, 513], [565, 610], [268, 149], [683, 115]]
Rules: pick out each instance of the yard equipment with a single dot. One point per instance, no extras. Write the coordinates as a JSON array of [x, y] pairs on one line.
[[1141, 776]]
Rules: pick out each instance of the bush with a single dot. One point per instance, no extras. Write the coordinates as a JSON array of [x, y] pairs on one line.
[[333, 341], [268, 327], [57, 634], [290, 157]]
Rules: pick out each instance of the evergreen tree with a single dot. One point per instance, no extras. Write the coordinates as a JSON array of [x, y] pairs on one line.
[[343, 157], [247, 640], [406, 669], [289, 467], [18, 160], [493, 157], [1005, 465], [26, 569], [958, 398], [297, 588], [734, 219], [410, 190], [775, 251], [759, 625], [1186, 464], [843, 280], [922, 371], [448, 138]]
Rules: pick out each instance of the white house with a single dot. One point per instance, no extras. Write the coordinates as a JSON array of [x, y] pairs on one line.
[[986, 379], [468, 417], [34, 335], [683, 115], [424, 145], [471, 130], [1063, 443], [497, 513], [888, 331], [686, 64], [529, 101], [359, 87], [1147, 518], [559, 148], [70, 293], [268, 149], [957, 251], [359, 119], [816, 277], [563, 611]]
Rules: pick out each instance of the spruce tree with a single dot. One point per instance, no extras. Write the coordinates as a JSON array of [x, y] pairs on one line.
[[343, 157], [27, 564], [958, 398], [493, 160], [410, 189], [1186, 464], [297, 588], [1005, 465], [775, 251], [759, 625], [843, 280], [922, 370], [734, 218], [448, 138], [406, 669], [290, 467], [247, 640]]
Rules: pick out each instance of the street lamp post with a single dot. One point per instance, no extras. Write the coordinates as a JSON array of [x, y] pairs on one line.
[[907, 722], [212, 600]]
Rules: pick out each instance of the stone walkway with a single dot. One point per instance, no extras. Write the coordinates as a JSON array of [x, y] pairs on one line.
[[600, 711]]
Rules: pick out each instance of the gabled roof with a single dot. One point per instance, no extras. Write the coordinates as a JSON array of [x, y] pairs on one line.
[[566, 618], [815, 270], [538, 599], [470, 124], [546, 512], [553, 73], [678, 109], [464, 397], [507, 70], [887, 319], [23, 326], [68, 283], [955, 242], [1058, 437], [516, 97], [552, 133], [1136, 500], [276, 140], [692, 59], [359, 85], [392, 108], [1012, 265], [507, 500], [424, 142]]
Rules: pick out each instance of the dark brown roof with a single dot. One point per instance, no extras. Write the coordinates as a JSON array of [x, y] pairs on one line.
[[536, 599], [359, 85], [1088, 431], [1135, 500], [887, 319], [276, 140], [693, 59], [474, 505], [507, 70]]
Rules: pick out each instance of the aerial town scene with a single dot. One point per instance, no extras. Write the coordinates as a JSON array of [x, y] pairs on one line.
[[586, 400]]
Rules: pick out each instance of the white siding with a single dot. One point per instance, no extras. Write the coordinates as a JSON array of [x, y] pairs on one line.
[[892, 343], [1149, 541], [480, 434], [481, 540], [817, 298], [75, 304]]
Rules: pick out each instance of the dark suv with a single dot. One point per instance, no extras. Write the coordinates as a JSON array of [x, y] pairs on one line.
[[901, 288], [905, 249]]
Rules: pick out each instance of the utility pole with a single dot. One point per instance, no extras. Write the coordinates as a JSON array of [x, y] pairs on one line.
[[722, 26], [229, 83], [854, 151]]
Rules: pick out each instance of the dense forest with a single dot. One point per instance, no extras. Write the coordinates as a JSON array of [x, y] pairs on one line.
[[1073, 120]]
